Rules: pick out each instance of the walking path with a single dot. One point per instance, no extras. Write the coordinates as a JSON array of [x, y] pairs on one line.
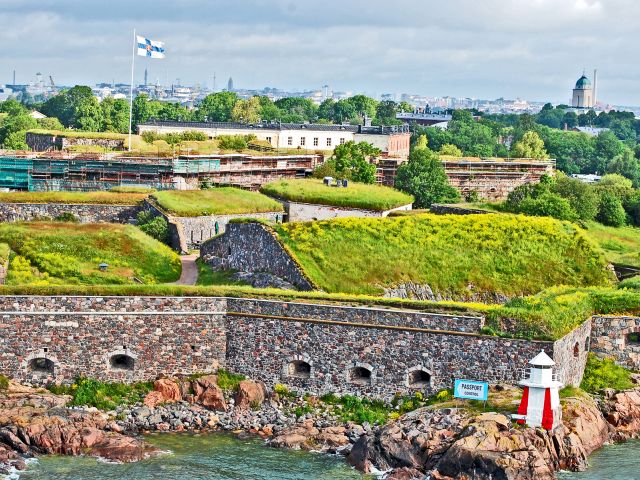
[[189, 275]]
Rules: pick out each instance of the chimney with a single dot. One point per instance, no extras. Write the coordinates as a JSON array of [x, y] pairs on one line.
[[595, 84]]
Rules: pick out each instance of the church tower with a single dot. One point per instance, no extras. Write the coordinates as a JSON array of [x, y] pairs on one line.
[[583, 93]]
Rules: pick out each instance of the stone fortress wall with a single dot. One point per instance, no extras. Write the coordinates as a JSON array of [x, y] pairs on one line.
[[306, 346], [94, 213], [617, 337], [307, 212]]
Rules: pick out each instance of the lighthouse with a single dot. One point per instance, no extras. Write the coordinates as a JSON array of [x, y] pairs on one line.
[[540, 405]]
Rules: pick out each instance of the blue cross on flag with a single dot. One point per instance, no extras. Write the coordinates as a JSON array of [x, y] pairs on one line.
[[150, 48]]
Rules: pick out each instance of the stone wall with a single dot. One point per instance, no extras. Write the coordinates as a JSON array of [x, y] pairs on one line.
[[308, 347], [305, 212], [42, 142], [570, 354], [83, 335], [15, 212], [253, 247], [610, 338]]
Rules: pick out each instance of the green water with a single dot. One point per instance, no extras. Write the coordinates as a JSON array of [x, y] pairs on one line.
[[200, 457], [612, 462]]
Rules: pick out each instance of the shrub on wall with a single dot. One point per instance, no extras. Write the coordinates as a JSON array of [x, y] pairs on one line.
[[154, 226], [601, 373]]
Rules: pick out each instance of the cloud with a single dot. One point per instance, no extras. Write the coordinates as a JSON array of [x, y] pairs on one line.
[[477, 48]]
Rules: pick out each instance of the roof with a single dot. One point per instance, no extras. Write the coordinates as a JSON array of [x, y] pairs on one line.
[[593, 131], [583, 83], [278, 126], [542, 360]]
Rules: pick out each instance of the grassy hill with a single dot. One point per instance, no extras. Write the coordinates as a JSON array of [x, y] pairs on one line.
[[620, 245], [127, 197], [509, 254], [356, 195], [56, 253], [216, 201]]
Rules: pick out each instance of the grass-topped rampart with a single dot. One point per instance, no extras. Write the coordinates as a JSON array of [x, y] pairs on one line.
[[455, 255], [70, 253], [215, 201], [356, 195], [126, 197]]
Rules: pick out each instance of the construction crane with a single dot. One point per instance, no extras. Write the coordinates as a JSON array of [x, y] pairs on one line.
[[53, 85]]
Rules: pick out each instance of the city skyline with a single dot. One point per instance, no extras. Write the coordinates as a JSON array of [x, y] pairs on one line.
[[461, 49]]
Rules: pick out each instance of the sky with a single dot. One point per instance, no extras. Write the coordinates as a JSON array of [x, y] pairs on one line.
[[531, 49]]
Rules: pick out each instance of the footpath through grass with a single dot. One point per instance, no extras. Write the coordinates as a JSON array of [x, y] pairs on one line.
[[215, 201], [455, 255], [100, 197], [69, 253], [356, 195]]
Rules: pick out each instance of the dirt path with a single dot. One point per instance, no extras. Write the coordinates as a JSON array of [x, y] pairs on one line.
[[189, 275]]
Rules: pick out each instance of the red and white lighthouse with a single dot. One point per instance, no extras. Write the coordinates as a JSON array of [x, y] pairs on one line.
[[540, 405]]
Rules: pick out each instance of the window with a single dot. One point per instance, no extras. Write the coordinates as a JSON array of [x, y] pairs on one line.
[[360, 375], [122, 362], [329, 142], [341, 140], [576, 350], [269, 139], [41, 365], [303, 141], [633, 338], [300, 369], [419, 378], [290, 141], [315, 141]]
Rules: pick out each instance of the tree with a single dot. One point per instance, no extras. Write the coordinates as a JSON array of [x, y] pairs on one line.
[[268, 110], [66, 105], [115, 115], [606, 147], [611, 211], [530, 146], [296, 109], [582, 197], [548, 205], [49, 123], [13, 131], [451, 150], [12, 107], [354, 159], [246, 111], [386, 112], [363, 106], [625, 164], [423, 176], [617, 185], [327, 110], [217, 107], [88, 116], [144, 109]]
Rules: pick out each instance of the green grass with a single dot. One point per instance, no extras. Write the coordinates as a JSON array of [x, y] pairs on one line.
[[132, 189], [209, 276], [67, 253], [512, 255], [5, 251], [101, 197], [620, 245], [601, 373], [216, 201], [102, 395], [356, 195]]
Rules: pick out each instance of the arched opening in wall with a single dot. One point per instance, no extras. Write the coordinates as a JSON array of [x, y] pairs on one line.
[[419, 378], [299, 369], [41, 365], [360, 375], [122, 362], [576, 350], [633, 339]]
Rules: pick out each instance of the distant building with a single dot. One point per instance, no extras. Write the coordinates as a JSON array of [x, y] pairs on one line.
[[591, 131], [393, 141], [586, 178], [583, 94], [230, 85], [37, 115]]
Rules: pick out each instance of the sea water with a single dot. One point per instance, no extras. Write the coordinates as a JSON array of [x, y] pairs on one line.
[[612, 462], [200, 457]]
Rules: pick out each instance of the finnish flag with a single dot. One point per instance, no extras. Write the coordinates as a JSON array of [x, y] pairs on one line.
[[150, 48]]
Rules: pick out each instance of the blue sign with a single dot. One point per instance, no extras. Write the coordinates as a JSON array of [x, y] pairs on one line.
[[471, 389]]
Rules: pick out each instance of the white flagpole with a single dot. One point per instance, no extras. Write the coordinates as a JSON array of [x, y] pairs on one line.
[[133, 59]]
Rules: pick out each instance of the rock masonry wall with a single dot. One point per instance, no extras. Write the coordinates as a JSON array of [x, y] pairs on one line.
[[85, 213], [306, 212], [611, 338], [42, 142], [253, 247], [403, 351]]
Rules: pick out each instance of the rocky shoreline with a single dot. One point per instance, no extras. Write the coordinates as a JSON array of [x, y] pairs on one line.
[[430, 442]]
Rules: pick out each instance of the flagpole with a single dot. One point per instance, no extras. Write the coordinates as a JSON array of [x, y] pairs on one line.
[[133, 59]]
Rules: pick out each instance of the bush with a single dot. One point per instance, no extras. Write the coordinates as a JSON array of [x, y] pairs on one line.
[[105, 396], [547, 205], [4, 382], [156, 227], [232, 142], [611, 211], [582, 197], [601, 373], [67, 217], [229, 381]]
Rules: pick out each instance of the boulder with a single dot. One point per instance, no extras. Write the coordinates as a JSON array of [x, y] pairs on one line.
[[250, 394], [169, 389], [622, 411], [153, 399], [208, 393]]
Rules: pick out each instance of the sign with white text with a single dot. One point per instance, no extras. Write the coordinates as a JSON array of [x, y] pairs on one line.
[[471, 389]]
